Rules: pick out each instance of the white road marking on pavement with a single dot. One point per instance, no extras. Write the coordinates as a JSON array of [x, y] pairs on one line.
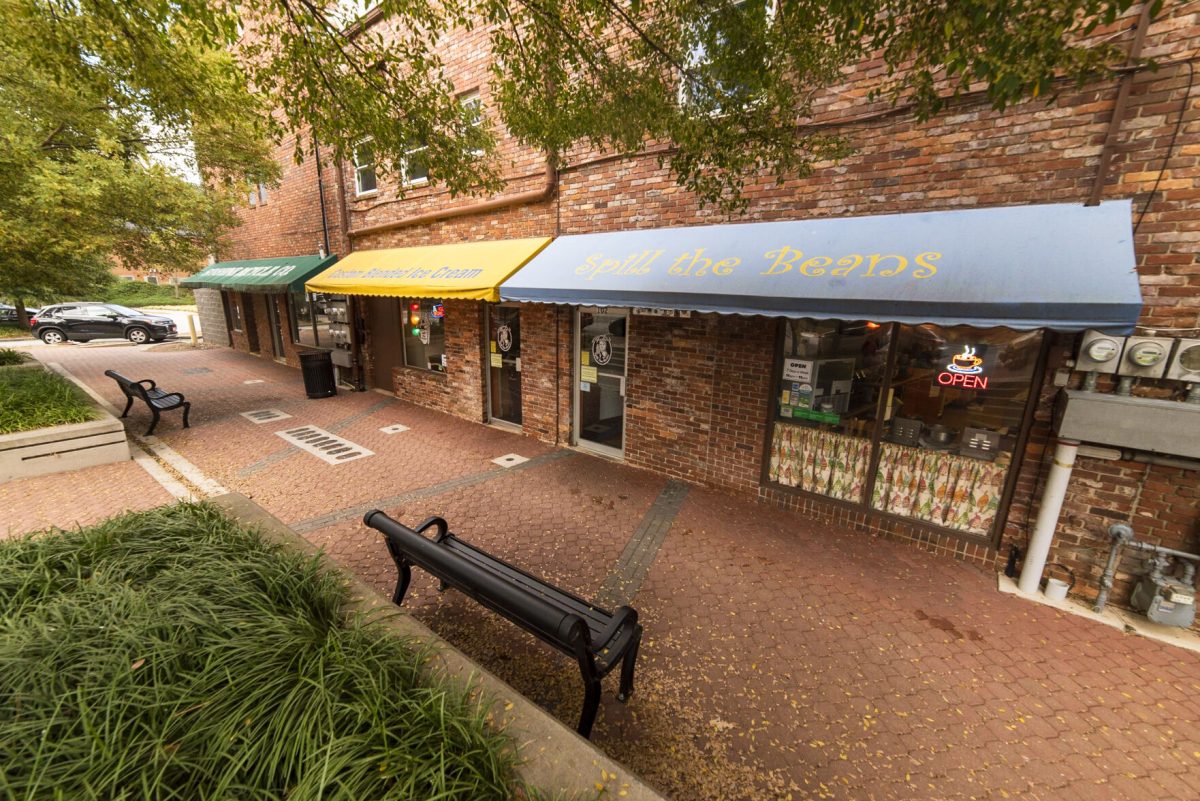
[[255, 381], [180, 465], [509, 460], [156, 471]]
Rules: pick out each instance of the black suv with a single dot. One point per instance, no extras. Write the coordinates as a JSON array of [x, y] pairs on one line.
[[80, 322]]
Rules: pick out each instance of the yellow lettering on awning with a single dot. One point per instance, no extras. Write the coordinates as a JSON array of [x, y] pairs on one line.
[[469, 270]]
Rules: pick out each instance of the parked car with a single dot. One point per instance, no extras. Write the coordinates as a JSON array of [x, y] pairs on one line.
[[8, 314], [80, 322]]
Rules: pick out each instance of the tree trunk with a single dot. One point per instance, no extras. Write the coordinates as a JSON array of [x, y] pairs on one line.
[[22, 314]]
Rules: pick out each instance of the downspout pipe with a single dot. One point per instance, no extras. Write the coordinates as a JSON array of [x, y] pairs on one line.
[[321, 195], [1052, 499]]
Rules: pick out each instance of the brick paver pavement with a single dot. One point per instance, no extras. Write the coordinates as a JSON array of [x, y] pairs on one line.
[[783, 657], [78, 498]]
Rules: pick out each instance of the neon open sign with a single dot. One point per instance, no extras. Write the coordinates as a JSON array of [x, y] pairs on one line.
[[965, 371]]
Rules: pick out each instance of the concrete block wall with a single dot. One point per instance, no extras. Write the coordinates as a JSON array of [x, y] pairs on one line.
[[212, 317]]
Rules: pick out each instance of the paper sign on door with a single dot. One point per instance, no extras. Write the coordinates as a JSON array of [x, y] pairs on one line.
[[588, 374]]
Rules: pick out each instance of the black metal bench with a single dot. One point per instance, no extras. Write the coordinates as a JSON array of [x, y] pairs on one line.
[[156, 399], [596, 638]]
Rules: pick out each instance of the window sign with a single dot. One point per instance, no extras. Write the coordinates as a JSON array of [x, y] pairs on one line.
[[797, 370], [424, 335], [965, 368]]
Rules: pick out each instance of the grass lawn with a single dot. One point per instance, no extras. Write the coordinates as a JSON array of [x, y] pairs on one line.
[[32, 399], [11, 331], [172, 654]]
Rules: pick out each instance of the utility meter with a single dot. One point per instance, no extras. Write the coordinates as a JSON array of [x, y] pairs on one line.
[[1099, 352], [1185, 362], [1145, 357]]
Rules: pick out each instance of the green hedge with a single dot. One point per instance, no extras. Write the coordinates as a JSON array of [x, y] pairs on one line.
[[32, 399], [139, 293], [172, 654]]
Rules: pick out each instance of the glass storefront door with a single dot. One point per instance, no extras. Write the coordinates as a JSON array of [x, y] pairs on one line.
[[504, 372], [276, 326], [601, 335]]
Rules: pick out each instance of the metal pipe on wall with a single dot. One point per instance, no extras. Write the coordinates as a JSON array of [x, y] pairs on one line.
[[1047, 520]]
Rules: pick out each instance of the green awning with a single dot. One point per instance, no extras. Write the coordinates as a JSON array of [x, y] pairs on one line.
[[284, 274]]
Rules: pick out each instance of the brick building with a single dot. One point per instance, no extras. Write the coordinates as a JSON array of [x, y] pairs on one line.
[[700, 393]]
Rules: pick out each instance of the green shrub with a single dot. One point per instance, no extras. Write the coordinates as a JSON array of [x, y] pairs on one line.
[[139, 293], [32, 399], [172, 654], [8, 357], [10, 331]]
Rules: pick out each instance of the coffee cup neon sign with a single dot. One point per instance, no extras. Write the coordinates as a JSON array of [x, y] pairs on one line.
[[965, 371]]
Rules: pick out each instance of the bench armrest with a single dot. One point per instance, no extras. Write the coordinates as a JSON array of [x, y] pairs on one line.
[[443, 528], [624, 615], [147, 381]]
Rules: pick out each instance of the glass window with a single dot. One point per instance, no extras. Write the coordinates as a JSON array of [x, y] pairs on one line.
[[364, 169], [737, 27], [321, 317], [954, 410], [951, 403], [830, 383], [416, 170], [473, 105], [301, 320], [424, 334]]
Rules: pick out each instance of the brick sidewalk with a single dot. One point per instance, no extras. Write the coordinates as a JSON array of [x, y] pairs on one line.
[[782, 656]]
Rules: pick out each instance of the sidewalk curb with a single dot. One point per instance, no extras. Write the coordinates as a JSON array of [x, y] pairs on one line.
[[554, 758]]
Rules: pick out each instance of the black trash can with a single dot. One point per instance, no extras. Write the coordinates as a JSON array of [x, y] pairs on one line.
[[317, 368]]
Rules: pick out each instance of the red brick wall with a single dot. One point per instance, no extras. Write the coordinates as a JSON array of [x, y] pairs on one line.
[[461, 389], [699, 388], [289, 222]]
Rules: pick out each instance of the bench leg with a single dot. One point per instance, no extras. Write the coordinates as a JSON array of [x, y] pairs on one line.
[[627, 663], [591, 703], [187, 408], [403, 578], [128, 403], [153, 422]]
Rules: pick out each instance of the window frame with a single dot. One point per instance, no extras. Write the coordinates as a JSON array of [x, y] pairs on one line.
[[360, 167], [864, 505], [294, 319], [699, 56], [473, 97], [405, 335], [405, 163]]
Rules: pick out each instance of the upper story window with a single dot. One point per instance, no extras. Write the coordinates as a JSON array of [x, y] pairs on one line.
[[345, 13], [414, 167], [472, 103], [258, 195], [365, 182]]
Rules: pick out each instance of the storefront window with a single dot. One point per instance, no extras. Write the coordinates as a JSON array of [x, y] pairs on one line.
[[951, 405], [303, 323], [830, 382], [424, 334], [954, 409]]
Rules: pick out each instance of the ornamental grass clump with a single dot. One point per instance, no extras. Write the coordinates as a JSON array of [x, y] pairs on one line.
[[32, 399], [172, 654], [9, 357]]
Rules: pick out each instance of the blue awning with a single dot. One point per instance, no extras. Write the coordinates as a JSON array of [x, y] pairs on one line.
[[1067, 267]]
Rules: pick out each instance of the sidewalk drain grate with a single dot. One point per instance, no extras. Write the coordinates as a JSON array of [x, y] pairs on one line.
[[260, 416], [509, 460], [322, 444], [394, 429], [197, 370]]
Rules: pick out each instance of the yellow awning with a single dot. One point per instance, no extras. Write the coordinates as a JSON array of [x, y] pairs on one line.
[[470, 270]]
